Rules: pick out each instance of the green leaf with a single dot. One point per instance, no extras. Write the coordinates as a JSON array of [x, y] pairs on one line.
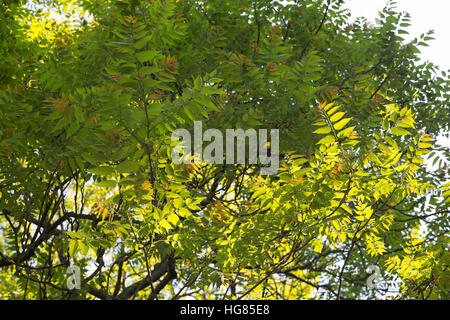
[[209, 91], [149, 70], [128, 166], [84, 249], [142, 42], [102, 171], [145, 56], [74, 235], [74, 126], [73, 246]]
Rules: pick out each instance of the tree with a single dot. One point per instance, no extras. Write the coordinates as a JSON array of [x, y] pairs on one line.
[[86, 179]]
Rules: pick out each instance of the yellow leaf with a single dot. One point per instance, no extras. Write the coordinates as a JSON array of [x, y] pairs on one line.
[[337, 116], [105, 213], [327, 140], [323, 130], [317, 245], [342, 123], [346, 132]]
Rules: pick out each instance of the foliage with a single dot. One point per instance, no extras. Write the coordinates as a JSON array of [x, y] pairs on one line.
[[86, 116]]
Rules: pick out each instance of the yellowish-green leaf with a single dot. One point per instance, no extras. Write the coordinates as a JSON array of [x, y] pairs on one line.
[[323, 130], [341, 124], [400, 131], [337, 116], [327, 140], [128, 166], [346, 132]]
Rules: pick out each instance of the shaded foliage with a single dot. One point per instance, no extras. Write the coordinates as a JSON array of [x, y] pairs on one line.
[[86, 116]]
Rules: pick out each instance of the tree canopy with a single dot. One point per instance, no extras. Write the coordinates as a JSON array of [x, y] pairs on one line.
[[88, 104]]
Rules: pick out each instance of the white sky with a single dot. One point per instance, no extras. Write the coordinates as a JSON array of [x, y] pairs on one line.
[[425, 15]]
